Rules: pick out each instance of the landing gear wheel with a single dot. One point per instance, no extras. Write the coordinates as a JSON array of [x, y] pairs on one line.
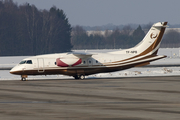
[[76, 77], [82, 77], [23, 79]]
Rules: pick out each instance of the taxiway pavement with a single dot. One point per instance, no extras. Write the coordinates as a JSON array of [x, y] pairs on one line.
[[139, 98]]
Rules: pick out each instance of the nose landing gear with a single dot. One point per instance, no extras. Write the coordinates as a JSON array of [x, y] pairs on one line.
[[23, 77]]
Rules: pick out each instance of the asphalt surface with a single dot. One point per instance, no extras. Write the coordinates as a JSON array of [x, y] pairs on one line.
[[143, 98]]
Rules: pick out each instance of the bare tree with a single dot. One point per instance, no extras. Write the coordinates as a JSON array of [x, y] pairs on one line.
[[126, 30], [171, 39]]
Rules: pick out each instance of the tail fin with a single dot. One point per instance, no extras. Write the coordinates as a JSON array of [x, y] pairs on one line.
[[151, 42]]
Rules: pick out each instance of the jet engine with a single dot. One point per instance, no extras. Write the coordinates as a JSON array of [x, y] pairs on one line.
[[67, 62]]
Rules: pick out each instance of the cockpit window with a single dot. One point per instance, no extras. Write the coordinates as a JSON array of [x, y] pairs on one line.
[[22, 62], [29, 62], [26, 62]]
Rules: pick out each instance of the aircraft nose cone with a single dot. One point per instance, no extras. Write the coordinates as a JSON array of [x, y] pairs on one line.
[[12, 71], [15, 70]]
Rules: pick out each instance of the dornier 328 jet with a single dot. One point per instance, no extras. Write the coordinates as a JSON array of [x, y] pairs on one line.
[[80, 65]]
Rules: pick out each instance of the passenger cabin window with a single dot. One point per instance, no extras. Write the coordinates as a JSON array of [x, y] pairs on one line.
[[84, 62]]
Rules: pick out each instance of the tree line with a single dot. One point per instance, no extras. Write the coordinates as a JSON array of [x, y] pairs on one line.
[[110, 40], [171, 39], [25, 30], [124, 38]]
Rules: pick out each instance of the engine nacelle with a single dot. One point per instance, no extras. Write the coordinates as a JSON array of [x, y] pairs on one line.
[[66, 62]]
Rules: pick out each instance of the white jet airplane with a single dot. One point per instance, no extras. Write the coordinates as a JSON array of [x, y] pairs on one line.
[[80, 65]]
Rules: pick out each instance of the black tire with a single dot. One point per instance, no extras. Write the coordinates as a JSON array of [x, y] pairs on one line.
[[76, 77], [82, 77], [23, 79]]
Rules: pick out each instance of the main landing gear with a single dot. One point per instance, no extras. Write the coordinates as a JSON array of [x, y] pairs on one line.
[[23, 77], [82, 77]]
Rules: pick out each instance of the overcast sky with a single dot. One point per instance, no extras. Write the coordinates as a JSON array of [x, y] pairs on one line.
[[117, 12]]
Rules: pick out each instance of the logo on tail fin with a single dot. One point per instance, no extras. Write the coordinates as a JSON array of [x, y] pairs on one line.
[[153, 35]]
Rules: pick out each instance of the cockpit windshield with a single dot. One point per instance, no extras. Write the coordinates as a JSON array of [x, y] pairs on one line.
[[29, 62], [26, 62]]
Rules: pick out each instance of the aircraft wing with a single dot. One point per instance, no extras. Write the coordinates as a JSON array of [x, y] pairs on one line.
[[82, 55]]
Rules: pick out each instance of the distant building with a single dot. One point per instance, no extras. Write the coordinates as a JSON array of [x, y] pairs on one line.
[[98, 32]]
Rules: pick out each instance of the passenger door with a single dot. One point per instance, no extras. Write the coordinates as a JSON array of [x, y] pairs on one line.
[[40, 65]]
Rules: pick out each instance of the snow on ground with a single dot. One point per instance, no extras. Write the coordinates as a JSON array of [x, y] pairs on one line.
[[138, 72], [171, 53]]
